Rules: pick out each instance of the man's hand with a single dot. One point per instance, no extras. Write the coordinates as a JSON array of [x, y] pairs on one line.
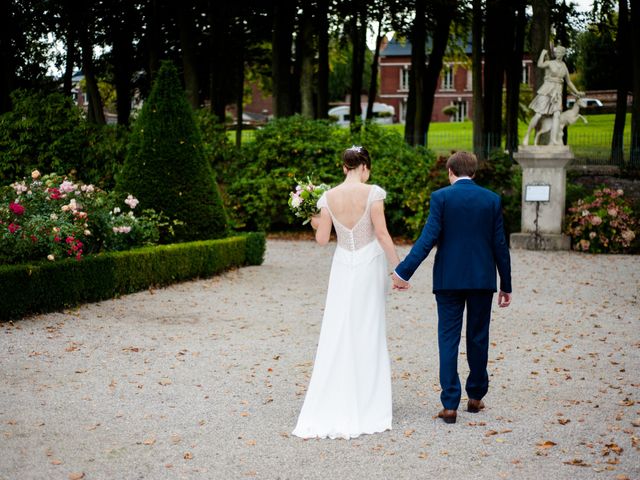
[[398, 283], [504, 299]]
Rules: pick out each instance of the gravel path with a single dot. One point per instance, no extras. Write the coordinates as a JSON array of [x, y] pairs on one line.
[[205, 379]]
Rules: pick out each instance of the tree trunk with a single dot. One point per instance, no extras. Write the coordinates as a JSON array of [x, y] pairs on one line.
[[323, 59], [218, 47], [306, 73], [153, 39], [71, 50], [444, 12], [283, 19], [6, 56], [95, 112], [514, 78], [622, 44], [239, 52], [184, 12], [358, 40], [499, 14], [540, 36], [122, 30], [373, 84], [476, 79], [415, 103], [634, 156]]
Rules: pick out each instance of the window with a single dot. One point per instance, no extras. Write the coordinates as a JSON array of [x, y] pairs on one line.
[[525, 73], [404, 78], [469, 79], [447, 78], [461, 113]]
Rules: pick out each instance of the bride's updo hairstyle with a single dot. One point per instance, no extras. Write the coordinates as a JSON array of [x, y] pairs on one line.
[[355, 156]]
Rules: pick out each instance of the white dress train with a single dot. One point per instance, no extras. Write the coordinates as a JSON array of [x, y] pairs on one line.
[[350, 389]]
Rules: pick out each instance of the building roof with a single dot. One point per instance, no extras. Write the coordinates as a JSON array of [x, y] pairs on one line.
[[396, 48]]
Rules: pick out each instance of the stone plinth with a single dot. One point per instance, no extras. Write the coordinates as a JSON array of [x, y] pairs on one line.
[[541, 222]]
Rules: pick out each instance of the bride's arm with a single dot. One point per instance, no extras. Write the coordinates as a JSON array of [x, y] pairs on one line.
[[382, 234], [322, 225]]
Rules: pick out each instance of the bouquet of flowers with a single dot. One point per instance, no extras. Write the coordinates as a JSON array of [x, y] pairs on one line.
[[303, 199]]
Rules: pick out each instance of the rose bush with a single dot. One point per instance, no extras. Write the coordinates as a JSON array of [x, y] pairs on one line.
[[54, 217], [602, 222]]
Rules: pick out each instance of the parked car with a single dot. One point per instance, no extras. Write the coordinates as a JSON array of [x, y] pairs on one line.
[[588, 102], [382, 113]]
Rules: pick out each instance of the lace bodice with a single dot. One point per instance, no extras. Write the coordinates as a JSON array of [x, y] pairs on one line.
[[362, 232]]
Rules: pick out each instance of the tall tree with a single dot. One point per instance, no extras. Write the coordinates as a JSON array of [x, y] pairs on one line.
[[283, 27], [123, 25], [373, 82], [7, 27], [95, 112], [540, 34], [500, 13], [415, 98], [634, 156], [443, 14], [358, 34], [622, 53], [186, 25], [322, 23], [306, 61], [514, 76], [476, 79]]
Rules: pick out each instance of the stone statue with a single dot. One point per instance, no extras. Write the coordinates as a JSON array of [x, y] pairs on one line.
[[548, 101]]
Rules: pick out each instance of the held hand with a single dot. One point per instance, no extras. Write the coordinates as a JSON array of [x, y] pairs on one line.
[[315, 221], [504, 299], [398, 283]]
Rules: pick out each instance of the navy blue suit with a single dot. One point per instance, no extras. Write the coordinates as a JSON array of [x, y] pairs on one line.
[[465, 223]]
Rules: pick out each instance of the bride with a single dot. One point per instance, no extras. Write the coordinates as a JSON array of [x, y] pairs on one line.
[[350, 389]]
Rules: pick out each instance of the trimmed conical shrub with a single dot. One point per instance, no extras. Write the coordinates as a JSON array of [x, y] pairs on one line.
[[165, 167]]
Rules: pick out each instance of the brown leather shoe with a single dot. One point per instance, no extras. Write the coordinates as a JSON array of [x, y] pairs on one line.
[[449, 416], [474, 406]]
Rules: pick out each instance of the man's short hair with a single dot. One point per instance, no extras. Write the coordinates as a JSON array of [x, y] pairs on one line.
[[463, 164]]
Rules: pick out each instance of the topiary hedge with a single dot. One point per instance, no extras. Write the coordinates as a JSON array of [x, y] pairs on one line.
[[48, 286], [165, 166]]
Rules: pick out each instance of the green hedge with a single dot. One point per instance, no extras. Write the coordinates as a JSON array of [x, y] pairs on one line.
[[48, 286]]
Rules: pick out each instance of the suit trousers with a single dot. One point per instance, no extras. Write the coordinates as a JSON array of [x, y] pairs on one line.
[[451, 305]]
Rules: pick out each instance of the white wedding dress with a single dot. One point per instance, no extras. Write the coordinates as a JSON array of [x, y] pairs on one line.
[[350, 389]]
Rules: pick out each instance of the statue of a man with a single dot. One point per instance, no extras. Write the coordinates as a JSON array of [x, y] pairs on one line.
[[548, 100]]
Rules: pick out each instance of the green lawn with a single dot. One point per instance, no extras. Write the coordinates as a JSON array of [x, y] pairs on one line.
[[590, 142]]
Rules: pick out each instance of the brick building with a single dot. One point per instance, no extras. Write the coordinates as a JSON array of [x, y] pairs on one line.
[[454, 85]]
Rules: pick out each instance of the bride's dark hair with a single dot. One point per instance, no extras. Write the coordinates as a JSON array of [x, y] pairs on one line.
[[355, 156]]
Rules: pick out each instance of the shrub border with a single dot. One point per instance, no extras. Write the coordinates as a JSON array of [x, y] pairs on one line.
[[47, 286]]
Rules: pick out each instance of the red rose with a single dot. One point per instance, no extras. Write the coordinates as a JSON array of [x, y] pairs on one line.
[[13, 228], [56, 239], [55, 194], [16, 208]]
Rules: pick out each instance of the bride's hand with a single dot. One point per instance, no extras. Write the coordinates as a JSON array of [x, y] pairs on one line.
[[315, 221]]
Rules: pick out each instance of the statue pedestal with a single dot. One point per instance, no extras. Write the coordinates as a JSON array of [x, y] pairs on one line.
[[544, 178]]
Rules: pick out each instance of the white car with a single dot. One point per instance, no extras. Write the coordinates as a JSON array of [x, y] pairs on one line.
[[589, 102]]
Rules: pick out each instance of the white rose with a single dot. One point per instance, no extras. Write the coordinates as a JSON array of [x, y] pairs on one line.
[[50, 257]]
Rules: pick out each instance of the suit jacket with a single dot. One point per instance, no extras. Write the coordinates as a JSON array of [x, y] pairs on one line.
[[465, 223]]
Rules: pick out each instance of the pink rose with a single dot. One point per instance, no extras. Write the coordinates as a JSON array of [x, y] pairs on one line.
[[596, 220], [612, 212]]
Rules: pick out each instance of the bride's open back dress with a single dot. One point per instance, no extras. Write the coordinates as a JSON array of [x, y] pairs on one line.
[[350, 389]]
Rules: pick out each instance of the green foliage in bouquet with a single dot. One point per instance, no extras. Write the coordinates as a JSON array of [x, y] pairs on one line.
[[602, 222], [49, 133], [166, 167]]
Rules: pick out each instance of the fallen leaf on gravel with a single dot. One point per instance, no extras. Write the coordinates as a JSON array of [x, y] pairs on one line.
[[408, 433], [422, 455], [55, 461], [76, 476], [636, 422], [149, 441], [251, 443], [622, 476], [164, 381], [626, 402], [490, 432], [578, 462], [188, 456], [169, 465], [244, 414], [175, 439], [546, 444], [563, 421], [251, 473], [611, 447]]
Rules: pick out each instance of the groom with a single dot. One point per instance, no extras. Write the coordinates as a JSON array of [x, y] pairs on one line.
[[465, 223]]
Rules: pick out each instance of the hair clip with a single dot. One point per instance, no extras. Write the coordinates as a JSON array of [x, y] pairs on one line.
[[355, 148]]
